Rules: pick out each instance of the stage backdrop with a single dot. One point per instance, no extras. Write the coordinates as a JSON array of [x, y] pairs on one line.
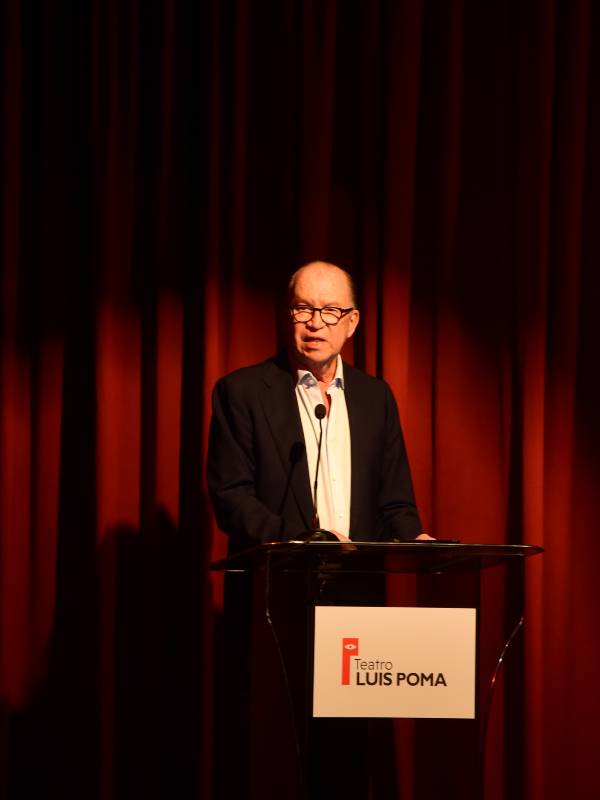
[[163, 167]]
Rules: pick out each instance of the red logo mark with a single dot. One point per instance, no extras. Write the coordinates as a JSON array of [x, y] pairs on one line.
[[349, 650]]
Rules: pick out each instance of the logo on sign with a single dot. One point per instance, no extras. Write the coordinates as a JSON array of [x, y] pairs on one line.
[[349, 649], [380, 672]]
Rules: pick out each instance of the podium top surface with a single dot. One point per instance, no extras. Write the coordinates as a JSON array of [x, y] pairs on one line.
[[386, 557]]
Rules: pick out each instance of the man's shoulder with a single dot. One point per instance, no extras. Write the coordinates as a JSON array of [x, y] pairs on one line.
[[270, 370]]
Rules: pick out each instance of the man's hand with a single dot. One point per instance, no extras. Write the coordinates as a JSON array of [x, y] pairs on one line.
[[425, 536], [346, 541], [341, 536]]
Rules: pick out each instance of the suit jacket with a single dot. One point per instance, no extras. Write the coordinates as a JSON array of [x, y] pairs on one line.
[[257, 466]]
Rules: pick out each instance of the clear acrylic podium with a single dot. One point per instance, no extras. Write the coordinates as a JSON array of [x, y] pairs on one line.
[[281, 750]]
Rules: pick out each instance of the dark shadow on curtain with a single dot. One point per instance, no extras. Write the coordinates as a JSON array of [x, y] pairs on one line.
[[149, 701]]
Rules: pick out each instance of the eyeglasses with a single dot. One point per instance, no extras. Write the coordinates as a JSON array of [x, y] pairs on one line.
[[330, 315]]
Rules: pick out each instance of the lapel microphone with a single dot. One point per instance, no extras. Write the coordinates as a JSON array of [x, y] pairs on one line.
[[320, 412]]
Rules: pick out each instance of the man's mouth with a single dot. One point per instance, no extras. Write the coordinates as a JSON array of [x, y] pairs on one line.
[[313, 340]]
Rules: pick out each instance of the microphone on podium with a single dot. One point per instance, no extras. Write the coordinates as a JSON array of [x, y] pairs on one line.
[[320, 413], [317, 534]]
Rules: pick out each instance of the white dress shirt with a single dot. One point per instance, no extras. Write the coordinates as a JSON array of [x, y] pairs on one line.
[[333, 491]]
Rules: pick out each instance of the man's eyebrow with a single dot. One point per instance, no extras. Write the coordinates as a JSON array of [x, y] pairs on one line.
[[333, 303]]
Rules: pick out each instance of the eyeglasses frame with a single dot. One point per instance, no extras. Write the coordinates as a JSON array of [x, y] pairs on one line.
[[343, 313]]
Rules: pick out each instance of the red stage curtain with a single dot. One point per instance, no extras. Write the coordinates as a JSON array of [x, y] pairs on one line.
[[164, 166]]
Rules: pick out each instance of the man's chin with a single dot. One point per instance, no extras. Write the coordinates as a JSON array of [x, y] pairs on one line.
[[312, 360]]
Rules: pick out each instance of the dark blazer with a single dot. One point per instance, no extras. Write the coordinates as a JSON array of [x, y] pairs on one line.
[[258, 471]]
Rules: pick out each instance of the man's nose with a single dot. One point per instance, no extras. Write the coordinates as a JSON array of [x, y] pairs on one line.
[[316, 321]]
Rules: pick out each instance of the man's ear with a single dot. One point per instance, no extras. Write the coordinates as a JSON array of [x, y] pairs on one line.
[[354, 320]]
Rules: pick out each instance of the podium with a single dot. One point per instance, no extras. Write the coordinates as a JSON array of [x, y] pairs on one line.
[[279, 734]]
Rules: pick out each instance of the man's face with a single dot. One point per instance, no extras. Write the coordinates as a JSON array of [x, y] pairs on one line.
[[313, 344]]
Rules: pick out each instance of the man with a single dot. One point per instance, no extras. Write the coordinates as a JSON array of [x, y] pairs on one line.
[[264, 433], [262, 465]]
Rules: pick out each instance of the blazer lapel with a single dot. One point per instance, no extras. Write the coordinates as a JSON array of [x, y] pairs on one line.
[[360, 432], [283, 418]]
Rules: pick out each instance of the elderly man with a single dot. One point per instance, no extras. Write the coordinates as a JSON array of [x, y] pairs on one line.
[[264, 433], [263, 456]]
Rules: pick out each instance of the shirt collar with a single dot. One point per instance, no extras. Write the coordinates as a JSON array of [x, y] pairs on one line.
[[306, 378]]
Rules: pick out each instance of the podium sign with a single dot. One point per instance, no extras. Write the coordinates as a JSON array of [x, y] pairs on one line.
[[394, 662]]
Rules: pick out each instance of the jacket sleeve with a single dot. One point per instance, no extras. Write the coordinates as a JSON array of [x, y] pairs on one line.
[[231, 469], [397, 516]]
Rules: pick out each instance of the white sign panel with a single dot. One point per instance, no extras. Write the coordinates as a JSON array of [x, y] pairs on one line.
[[394, 662]]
